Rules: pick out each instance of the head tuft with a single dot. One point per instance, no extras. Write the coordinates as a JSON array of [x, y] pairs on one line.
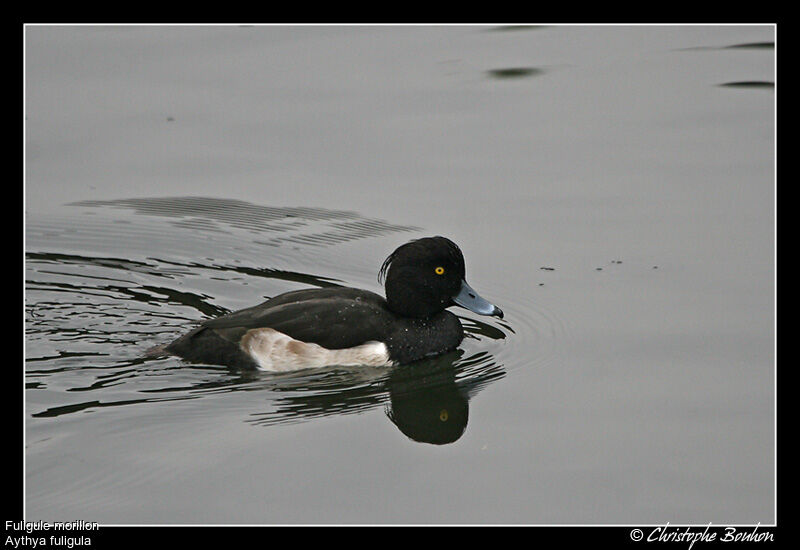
[[422, 247]]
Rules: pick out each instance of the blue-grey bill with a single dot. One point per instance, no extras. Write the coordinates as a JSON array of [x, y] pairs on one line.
[[471, 300]]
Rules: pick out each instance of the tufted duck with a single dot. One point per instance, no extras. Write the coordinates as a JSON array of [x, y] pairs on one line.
[[348, 326]]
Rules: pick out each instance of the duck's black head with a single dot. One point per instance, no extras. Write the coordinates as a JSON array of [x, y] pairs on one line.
[[425, 276]]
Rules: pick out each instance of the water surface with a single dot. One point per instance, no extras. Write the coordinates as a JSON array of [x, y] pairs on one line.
[[612, 189]]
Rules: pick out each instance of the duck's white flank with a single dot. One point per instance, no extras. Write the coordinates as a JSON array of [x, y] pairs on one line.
[[275, 351]]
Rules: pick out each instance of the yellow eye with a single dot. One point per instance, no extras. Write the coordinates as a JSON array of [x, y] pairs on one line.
[[439, 270], [443, 415]]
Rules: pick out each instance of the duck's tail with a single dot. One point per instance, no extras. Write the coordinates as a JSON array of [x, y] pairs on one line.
[[156, 351]]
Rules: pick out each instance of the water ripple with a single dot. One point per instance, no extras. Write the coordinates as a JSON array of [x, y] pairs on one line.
[[117, 277]]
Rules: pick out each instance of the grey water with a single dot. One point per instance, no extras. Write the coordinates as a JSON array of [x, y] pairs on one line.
[[612, 189]]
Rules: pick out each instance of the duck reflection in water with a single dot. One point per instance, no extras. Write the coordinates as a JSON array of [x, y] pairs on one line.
[[427, 401], [427, 405]]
